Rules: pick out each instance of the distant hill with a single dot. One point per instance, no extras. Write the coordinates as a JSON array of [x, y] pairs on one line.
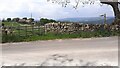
[[93, 20]]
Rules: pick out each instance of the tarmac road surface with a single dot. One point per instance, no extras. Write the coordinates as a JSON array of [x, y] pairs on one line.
[[68, 52]]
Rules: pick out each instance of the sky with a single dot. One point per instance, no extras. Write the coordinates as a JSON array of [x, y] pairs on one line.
[[44, 9]]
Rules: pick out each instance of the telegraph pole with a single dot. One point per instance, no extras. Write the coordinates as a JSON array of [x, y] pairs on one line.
[[31, 15], [105, 18]]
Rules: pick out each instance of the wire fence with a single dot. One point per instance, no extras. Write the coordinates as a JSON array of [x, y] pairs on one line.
[[56, 31], [23, 30]]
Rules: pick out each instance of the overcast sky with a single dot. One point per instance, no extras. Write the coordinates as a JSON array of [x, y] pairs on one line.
[[42, 8]]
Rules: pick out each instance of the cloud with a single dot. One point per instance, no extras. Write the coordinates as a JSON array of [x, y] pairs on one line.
[[42, 8]]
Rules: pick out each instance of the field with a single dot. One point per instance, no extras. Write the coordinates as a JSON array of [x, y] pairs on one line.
[[25, 32]]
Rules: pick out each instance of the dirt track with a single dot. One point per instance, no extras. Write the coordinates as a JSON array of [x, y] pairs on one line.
[[81, 52]]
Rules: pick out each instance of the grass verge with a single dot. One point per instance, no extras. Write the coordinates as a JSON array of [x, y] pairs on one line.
[[52, 36]]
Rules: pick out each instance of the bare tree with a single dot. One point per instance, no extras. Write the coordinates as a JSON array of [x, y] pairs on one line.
[[113, 3]]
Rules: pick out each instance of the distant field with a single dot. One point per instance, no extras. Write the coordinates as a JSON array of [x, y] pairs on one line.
[[92, 20], [14, 24]]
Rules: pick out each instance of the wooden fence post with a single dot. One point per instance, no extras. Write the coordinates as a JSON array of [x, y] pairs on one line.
[[19, 31], [11, 30], [32, 29], [39, 29], [26, 30]]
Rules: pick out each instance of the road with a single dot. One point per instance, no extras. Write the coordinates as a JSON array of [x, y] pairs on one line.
[[80, 52]]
